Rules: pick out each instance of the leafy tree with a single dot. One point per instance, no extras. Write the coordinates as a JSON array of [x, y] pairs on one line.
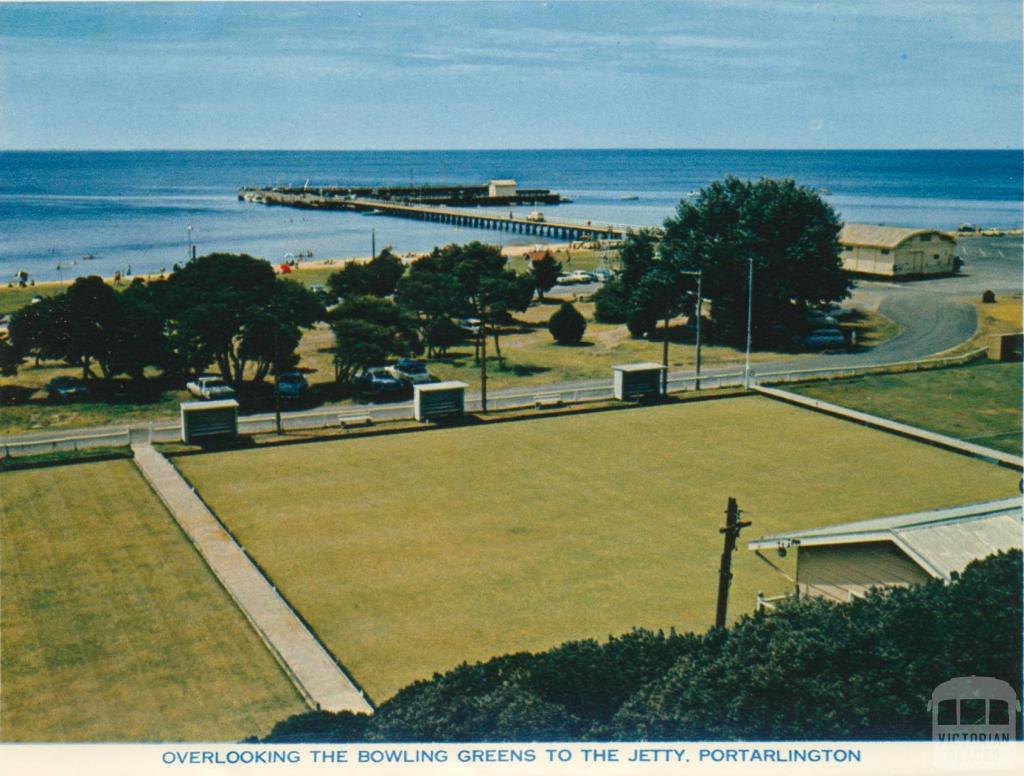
[[226, 308], [790, 233], [36, 330], [368, 331], [433, 293], [567, 325], [377, 277], [141, 341], [92, 326], [10, 358], [612, 302], [443, 334], [648, 288], [638, 254], [545, 271], [273, 335], [467, 280]]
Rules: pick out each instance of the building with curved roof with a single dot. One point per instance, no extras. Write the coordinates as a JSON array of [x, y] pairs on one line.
[[895, 251]]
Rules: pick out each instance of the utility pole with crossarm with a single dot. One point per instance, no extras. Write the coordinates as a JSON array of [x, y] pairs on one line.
[[732, 529]]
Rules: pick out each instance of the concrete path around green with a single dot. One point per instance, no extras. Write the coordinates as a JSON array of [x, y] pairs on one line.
[[315, 673]]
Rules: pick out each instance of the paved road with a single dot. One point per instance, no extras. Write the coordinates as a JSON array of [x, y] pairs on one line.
[[933, 315]]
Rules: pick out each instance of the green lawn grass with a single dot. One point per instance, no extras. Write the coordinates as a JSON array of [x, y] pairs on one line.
[[980, 403], [409, 553], [113, 628]]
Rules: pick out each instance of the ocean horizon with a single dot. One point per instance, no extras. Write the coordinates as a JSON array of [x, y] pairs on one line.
[[130, 210]]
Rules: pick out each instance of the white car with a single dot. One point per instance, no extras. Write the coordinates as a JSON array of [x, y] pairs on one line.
[[411, 371], [210, 387], [575, 277]]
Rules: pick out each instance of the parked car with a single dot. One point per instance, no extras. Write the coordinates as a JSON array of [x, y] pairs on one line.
[[210, 387], [579, 276], [821, 319], [378, 381], [67, 388], [292, 386], [411, 371], [322, 293], [469, 325], [825, 338], [536, 216], [602, 274]]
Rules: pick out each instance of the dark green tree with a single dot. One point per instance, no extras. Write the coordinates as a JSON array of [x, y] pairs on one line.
[[649, 287], [377, 277], [92, 327], [37, 330], [368, 331], [545, 272], [567, 325], [225, 309], [612, 303], [10, 358], [790, 233], [479, 285], [273, 335], [433, 293]]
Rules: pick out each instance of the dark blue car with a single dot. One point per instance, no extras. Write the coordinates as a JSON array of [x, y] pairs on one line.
[[67, 388], [378, 381]]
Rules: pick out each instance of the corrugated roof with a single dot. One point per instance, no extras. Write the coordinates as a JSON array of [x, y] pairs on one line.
[[940, 541], [874, 236]]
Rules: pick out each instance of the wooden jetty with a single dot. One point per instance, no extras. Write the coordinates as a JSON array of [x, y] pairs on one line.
[[534, 223]]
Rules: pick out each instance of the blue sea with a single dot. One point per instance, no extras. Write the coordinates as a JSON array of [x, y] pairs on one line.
[[132, 210]]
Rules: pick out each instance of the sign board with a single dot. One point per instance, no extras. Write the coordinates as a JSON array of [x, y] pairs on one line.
[[634, 382], [209, 420], [439, 401]]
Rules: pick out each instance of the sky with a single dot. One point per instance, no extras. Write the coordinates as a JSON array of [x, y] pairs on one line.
[[681, 74]]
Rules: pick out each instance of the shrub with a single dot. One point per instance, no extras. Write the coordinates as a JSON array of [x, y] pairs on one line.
[[988, 297], [567, 325]]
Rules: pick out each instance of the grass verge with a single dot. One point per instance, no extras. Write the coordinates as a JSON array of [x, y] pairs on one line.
[[978, 403]]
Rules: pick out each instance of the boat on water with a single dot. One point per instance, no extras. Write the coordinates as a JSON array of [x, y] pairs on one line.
[[89, 257], [629, 198]]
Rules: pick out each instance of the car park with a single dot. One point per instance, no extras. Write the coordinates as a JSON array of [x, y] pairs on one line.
[[292, 386], [378, 381], [65, 388], [410, 371]]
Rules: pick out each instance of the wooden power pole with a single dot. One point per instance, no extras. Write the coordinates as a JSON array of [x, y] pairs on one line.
[[732, 529]]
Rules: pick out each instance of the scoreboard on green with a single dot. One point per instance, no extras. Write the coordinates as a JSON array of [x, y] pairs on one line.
[[635, 382], [208, 420], [439, 401]]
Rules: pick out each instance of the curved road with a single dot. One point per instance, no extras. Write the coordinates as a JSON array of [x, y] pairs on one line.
[[933, 316]]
